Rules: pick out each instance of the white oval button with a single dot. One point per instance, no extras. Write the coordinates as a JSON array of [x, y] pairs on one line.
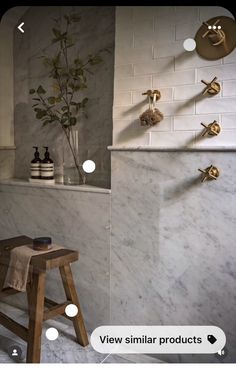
[[158, 339]]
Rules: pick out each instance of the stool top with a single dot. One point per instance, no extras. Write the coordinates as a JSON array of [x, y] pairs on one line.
[[41, 262]]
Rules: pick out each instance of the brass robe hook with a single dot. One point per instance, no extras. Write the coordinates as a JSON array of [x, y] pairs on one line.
[[153, 94], [152, 115]]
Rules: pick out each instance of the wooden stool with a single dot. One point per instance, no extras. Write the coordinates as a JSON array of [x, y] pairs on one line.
[[36, 299]]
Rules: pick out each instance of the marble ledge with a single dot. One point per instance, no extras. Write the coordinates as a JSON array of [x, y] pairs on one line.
[[7, 147], [79, 188], [171, 149]]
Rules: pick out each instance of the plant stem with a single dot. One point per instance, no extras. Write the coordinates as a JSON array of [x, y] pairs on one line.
[[73, 153]]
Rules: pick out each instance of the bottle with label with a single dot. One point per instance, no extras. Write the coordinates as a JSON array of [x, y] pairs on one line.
[[47, 168], [35, 166]]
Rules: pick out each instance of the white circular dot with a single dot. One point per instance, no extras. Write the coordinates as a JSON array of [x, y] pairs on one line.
[[71, 310], [89, 166], [214, 27], [219, 27], [52, 334], [189, 44], [209, 27]]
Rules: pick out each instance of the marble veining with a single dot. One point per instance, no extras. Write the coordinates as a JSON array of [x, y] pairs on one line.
[[95, 132], [170, 149], [86, 188], [63, 350], [173, 243], [7, 158], [171, 260], [77, 220]]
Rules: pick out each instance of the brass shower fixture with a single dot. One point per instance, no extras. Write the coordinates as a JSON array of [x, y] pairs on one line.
[[216, 38], [212, 87], [153, 94], [212, 129], [152, 115], [210, 173]]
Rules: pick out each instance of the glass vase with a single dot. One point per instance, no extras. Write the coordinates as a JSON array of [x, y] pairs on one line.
[[72, 170]]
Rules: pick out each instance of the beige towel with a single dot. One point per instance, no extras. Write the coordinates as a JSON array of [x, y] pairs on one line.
[[17, 273]]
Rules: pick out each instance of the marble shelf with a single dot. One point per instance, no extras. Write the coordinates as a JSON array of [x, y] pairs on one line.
[[83, 188], [7, 147], [149, 148]]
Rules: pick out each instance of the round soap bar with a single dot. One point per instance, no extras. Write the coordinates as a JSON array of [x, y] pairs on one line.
[[42, 243]]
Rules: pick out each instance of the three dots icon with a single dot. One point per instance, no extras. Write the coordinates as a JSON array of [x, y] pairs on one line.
[[214, 27]]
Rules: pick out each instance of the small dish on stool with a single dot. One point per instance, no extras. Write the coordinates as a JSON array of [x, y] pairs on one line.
[[42, 244]]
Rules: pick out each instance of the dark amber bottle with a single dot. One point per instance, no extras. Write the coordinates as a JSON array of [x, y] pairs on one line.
[[47, 166], [35, 166]]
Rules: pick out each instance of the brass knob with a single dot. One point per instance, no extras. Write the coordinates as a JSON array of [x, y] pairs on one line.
[[212, 129], [209, 173], [212, 87]]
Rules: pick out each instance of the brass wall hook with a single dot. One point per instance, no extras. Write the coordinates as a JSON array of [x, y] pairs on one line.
[[212, 129], [152, 115], [209, 173], [212, 87], [153, 94]]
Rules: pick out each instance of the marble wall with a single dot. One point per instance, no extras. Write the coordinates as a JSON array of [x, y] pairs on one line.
[[173, 243], [76, 219], [149, 54], [94, 32], [7, 159]]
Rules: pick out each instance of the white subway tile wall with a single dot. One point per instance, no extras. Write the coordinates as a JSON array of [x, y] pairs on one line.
[[149, 54]]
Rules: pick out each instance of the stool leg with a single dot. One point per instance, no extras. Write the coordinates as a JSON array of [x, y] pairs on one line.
[[69, 287], [36, 311], [28, 290]]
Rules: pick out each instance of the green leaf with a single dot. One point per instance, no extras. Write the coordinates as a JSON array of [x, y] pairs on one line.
[[51, 100], [69, 45], [75, 17], [95, 60], [64, 120], [88, 70], [41, 90], [78, 61], [41, 113], [47, 61], [37, 99], [46, 122], [56, 32], [32, 91], [73, 121], [56, 20], [84, 102], [55, 40], [81, 87], [67, 18]]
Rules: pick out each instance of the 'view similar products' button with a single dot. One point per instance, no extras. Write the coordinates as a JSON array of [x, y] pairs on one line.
[[158, 339]]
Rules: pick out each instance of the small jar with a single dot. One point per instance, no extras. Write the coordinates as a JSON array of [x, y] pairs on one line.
[[42, 243]]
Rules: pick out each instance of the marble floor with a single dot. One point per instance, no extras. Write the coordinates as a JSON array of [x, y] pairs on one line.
[[63, 350]]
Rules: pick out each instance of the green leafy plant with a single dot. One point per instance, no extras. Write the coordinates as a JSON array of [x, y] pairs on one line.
[[69, 77]]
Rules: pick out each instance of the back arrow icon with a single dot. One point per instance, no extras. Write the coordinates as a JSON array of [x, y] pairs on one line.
[[20, 27]]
